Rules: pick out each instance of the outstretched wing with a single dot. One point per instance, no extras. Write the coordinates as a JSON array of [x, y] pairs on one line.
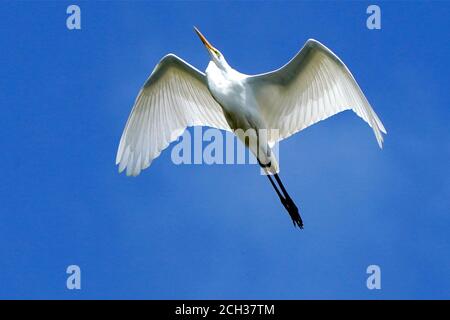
[[311, 87], [174, 97]]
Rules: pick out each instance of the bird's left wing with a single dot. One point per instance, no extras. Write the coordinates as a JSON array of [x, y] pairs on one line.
[[174, 97], [311, 87]]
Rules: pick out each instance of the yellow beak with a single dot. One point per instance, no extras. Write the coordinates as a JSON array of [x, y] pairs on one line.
[[205, 42]]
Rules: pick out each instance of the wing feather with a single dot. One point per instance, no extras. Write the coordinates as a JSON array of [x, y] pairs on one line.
[[174, 97], [311, 87]]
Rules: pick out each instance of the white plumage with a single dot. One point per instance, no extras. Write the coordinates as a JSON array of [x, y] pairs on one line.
[[311, 87], [174, 97]]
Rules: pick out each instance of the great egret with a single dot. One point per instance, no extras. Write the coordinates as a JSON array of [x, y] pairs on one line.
[[311, 87]]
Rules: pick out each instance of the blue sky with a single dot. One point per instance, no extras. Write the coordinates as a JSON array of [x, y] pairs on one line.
[[204, 232]]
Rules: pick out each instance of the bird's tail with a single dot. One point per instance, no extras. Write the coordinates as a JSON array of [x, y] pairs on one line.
[[287, 201]]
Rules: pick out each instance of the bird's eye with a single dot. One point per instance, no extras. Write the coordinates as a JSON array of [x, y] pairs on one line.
[[217, 53]]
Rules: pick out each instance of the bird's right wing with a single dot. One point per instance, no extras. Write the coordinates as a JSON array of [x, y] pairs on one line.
[[311, 87], [174, 97]]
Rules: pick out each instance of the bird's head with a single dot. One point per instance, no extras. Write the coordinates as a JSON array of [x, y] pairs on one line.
[[215, 54]]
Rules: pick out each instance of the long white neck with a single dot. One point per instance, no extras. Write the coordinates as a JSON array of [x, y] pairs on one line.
[[220, 64], [221, 70]]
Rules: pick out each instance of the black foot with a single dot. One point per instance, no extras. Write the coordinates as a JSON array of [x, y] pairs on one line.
[[293, 212]]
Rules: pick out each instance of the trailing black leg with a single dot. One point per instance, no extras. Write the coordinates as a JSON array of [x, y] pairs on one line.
[[276, 188], [286, 201], [290, 205]]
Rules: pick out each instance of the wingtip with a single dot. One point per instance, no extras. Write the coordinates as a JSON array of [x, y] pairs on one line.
[[312, 41], [380, 140], [120, 168]]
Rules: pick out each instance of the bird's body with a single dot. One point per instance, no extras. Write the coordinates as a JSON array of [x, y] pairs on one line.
[[311, 87], [227, 86], [241, 110]]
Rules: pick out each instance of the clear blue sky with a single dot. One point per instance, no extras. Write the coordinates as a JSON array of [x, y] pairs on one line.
[[219, 231]]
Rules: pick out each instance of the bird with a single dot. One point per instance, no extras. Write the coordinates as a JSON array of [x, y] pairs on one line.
[[313, 86]]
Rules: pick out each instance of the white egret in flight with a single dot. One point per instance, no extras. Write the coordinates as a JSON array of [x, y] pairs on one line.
[[311, 87]]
